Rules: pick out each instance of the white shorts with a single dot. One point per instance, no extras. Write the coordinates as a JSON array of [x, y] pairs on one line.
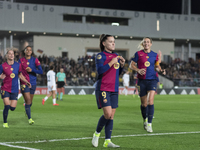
[[50, 88], [125, 84]]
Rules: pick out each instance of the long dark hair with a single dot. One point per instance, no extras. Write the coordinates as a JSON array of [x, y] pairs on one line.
[[103, 38], [23, 51]]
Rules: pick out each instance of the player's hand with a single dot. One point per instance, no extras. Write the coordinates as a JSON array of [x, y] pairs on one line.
[[113, 61], [142, 71], [29, 84], [28, 69], [163, 72], [2, 76], [122, 61]]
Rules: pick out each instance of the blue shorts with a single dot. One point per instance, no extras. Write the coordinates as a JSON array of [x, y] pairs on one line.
[[105, 98], [146, 85], [25, 89], [12, 96]]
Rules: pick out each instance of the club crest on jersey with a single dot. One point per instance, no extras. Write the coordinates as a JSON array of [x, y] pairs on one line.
[[105, 100], [12, 75], [116, 66], [99, 56], [147, 63], [23, 87]]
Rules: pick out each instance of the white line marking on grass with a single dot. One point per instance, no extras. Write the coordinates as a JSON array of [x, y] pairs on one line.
[[85, 138], [22, 147]]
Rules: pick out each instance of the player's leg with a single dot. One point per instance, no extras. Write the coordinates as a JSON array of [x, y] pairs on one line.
[[151, 88], [54, 97], [58, 92], [143, 98], [102, 102], [6, 102], [48, 95], [32, 92], [109, 124], [150, 110], [61, 93]]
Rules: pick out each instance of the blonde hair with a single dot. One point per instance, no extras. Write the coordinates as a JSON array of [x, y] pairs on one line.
[[140, 46]]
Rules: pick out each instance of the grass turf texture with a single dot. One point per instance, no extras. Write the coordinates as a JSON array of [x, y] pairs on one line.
[[77, 117]]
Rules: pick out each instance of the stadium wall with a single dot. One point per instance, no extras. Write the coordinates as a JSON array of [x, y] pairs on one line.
[[77, 46], [83, 90], [49, 19]]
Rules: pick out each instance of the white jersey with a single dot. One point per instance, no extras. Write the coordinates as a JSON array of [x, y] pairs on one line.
[[51, 78], [126, 79]]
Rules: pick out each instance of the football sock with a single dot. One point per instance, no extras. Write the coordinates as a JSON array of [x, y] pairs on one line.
[[45, 98], [126, 91], [61, 94], [28, 110], [57, 95], [54, 101], [5, 113], [143, 111], [108, 129], [102, 122], [150, 113]]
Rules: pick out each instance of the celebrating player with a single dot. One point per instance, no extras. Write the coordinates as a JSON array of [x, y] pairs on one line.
[[61, 81], [109, 66], [30, 67], [9, 89], [147, 62], [51, 85]]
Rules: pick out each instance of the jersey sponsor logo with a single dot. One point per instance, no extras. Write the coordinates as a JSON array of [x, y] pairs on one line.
[[11, 69], [110, 56], [116, 66], [99, 56], [105, 100], [12, 75], [147, 64], [6, 67], [39, 62], [141, 54]]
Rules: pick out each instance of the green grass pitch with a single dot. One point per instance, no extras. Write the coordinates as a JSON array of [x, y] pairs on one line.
[[70, 125]]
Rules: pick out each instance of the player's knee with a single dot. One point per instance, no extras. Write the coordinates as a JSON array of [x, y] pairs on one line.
[[108, 116], [12, 108]]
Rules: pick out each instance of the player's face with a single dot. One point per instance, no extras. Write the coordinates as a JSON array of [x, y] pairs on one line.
[[147, 44], [28, 51], [61, 70], [10, 55], [109, 44]]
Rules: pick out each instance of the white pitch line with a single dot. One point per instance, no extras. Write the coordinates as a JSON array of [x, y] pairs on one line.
[[22, 147], [116, 136]]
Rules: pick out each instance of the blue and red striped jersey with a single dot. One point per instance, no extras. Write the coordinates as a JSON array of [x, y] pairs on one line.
[[146, 61], [34, 64], [108, 77], [10, 83]]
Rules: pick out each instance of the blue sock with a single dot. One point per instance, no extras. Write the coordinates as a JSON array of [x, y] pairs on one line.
[[102, 122], [5, 113], [28, 110], [150, 113], [108, 129], [143, 111], [12, 108]]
